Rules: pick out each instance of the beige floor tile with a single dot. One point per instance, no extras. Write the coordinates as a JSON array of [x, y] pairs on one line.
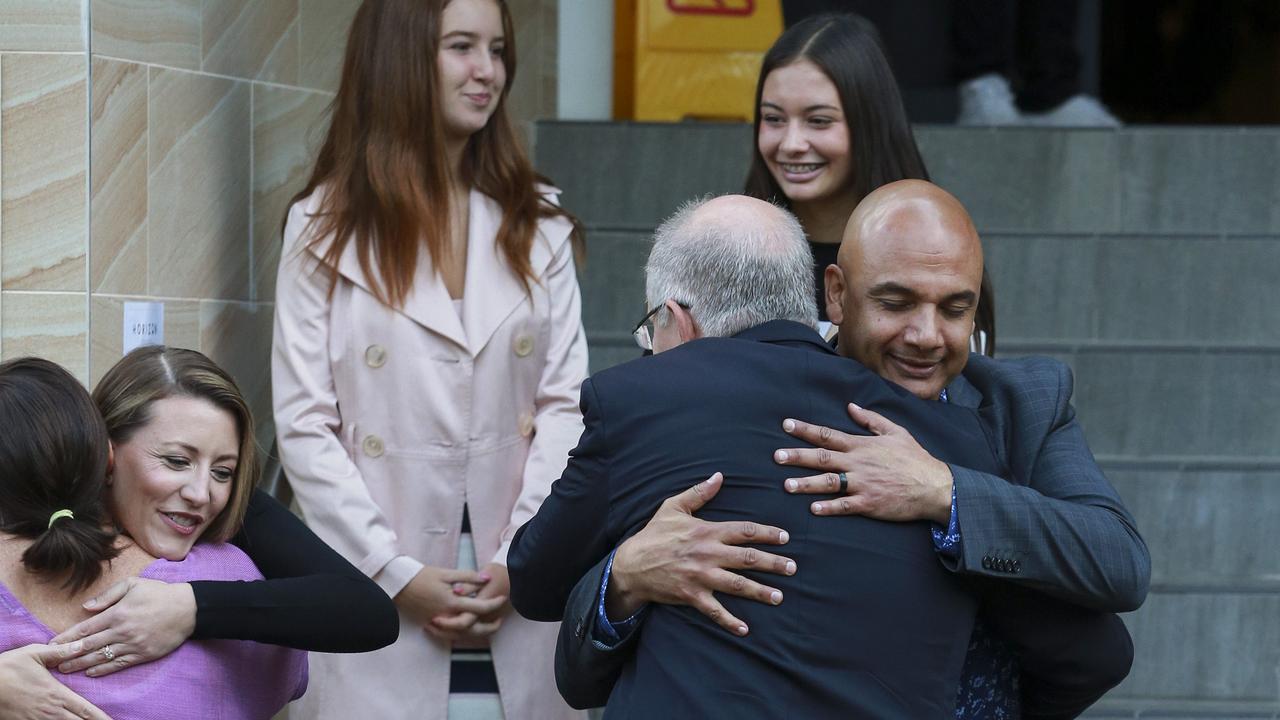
[[42, 178], [253, 39], [41, 25], [49, 325], [164, 32], [199, 186], [323, 36], [118, 200], [288, 129]]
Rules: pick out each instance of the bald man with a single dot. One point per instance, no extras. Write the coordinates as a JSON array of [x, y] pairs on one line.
[[1048, 525], [735, 348]]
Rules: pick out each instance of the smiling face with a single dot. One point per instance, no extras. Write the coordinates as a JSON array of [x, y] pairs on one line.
[[174, 475], [470, 65], [906, 288], [803, 135]]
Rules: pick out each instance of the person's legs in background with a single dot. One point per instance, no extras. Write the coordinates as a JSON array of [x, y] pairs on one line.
[[1049, 67], [983, 53], [1025, 45]]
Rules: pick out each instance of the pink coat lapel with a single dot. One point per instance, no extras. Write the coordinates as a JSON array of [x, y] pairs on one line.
[[492, 290], [428, 303]]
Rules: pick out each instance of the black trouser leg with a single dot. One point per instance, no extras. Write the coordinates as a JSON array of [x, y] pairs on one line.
[[1048, 60], [982, 37]]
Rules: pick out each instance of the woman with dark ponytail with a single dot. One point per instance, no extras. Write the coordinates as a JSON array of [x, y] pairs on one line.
[[53, 461], [51, 516]]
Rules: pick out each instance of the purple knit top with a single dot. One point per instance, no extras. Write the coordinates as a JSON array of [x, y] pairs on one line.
[[205, 679]]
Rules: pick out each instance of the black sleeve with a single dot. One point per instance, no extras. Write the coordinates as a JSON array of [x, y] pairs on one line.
[[569, 533], [1069, 656], [586, 671], [312, 598]]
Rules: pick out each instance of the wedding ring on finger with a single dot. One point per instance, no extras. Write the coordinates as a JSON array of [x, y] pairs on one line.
[[107, 652], [844, 484]]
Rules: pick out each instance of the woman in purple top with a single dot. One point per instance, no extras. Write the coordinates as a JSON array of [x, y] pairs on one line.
[[175, 464]]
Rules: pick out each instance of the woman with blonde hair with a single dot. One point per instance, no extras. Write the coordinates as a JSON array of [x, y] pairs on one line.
[[427, 358]]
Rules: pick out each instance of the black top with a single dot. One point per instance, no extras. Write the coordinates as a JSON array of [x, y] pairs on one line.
[[824, 254], [312, 599]]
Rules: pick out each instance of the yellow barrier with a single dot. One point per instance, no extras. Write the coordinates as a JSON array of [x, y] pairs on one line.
[[679, 59]]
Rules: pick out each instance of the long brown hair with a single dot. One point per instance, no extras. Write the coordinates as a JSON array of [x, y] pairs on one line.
[[847, 48], [382, 167]]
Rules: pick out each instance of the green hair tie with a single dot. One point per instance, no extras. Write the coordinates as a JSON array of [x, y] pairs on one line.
[[58, 515]]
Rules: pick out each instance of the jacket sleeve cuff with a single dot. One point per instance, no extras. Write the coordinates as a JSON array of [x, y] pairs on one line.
[[396, 574]]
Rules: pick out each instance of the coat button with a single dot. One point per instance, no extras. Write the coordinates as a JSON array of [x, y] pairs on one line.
[[375, 356], [525, 424], [1016, 567], [373, 446], [523, 345], [986, 563]]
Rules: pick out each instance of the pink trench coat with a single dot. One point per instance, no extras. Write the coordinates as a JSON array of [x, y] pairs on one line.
[[390, 420]]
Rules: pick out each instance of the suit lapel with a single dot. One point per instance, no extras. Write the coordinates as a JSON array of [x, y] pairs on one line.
[[492, 290], [963, 393], [991, 409]]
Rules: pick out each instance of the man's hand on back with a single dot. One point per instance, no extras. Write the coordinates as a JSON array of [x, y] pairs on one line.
[[678, 559], [889, 476]]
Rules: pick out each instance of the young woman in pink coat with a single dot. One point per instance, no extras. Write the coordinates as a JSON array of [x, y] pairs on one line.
[[427, 358]]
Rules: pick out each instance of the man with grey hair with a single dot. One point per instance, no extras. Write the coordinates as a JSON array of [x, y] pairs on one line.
[[697, 247], [735, 348]]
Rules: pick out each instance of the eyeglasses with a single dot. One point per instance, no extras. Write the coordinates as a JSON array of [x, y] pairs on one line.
[[642, 334]]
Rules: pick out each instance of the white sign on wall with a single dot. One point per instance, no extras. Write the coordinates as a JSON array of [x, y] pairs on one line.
[[143, 325]]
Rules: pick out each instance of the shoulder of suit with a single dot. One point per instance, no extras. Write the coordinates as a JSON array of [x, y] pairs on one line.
[[1033, 374], [673, 371]]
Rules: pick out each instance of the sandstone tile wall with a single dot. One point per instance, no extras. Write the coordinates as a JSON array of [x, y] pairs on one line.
[[154, 162], [43, 171], [148, 151], [202, 127]]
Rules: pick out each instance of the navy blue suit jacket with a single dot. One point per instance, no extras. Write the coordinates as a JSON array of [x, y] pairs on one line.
[[876, 628]]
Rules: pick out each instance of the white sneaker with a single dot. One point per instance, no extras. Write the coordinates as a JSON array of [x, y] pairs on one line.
[[1076, 111], [987, 100]]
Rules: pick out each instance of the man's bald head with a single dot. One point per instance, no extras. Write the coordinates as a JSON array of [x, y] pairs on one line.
[[912, 213], [735, 262], [907, 286]]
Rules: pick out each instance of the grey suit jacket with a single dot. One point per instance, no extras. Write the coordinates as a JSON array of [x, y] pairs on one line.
[[1052, 522]]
